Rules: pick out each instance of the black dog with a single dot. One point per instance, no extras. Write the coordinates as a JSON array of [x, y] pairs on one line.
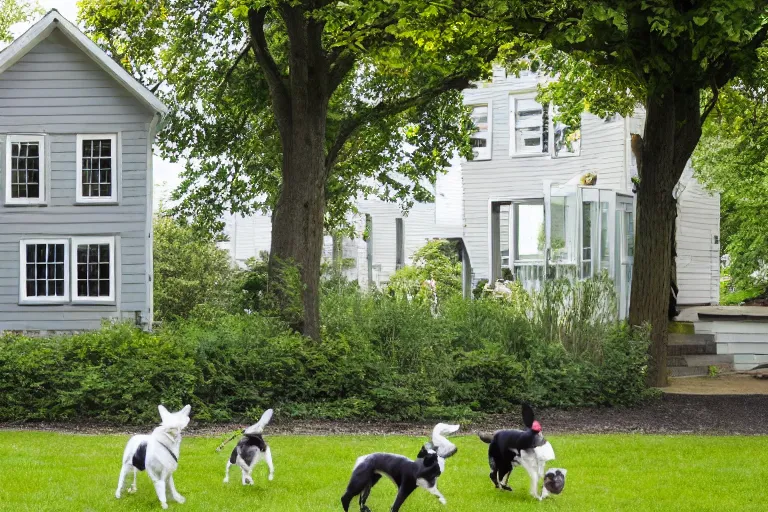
[[405, 473], [510, 448]]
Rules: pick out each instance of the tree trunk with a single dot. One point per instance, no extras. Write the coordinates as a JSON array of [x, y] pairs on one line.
[[656, 212], [297, 221]]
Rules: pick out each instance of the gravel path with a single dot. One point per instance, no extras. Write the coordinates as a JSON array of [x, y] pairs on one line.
[[673, 414]]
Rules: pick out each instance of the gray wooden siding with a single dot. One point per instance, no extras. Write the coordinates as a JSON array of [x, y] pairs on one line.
[[698, 257], [57, 90], [506, 177]]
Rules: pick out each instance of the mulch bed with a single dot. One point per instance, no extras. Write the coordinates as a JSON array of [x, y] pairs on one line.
[[672, 414]]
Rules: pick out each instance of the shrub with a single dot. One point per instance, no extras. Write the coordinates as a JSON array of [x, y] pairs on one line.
[[380, 357]]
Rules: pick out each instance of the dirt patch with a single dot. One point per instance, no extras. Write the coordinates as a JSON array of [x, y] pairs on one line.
[[733, 384], [672, 414]]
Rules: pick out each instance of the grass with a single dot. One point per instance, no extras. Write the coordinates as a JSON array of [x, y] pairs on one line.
[[44, 471]]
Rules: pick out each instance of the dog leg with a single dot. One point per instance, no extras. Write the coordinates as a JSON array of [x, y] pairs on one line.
[[133, 488], [178, 498], [226, 473], [270, 465], [434, 492], [159, 483], [121, 480], [534, 484], [364, 497], [402, 495]]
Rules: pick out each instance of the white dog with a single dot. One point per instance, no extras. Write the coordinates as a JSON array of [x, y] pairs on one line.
[[158, 453]]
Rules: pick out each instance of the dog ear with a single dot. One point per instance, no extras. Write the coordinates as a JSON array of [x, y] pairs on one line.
[[528, 416], [186, 410], [164, 414]]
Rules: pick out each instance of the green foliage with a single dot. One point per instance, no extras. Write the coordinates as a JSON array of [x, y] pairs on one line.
[[437, 260], [412, 57], [380, 357], [13, 12], [732, 161], [189, 271]]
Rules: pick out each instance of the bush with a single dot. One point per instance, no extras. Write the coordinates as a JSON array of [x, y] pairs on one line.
[[380, 357]]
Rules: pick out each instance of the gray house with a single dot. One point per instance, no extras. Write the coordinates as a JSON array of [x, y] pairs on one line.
[[76, 134]]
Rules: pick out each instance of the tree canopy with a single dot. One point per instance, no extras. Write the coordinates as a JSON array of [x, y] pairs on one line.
[[673, 58], [732, 160], [13, 12]]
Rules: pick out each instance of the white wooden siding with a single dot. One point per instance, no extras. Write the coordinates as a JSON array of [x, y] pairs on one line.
[[698, 257], [57, 90]]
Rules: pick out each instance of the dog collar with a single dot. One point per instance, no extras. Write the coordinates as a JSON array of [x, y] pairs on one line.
[[176, 459]]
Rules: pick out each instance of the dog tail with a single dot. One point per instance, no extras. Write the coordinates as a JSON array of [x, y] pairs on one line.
[[258, 427], [222, 445], [486, 438]]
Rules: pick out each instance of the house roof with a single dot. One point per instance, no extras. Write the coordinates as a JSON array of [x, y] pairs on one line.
[[53, 20]]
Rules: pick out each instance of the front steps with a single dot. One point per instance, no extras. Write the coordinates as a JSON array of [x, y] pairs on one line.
[[692, 355]]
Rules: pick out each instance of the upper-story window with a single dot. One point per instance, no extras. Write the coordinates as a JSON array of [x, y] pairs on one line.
[[25, 169], [529, 126], [534, 131], [481, 139], [97, 168]]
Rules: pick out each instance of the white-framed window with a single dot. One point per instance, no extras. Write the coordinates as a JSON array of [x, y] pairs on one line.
[[481, 140], [533, 131], [529, 126], [93, 269], [43, 274], [97, 168], [25, 169]]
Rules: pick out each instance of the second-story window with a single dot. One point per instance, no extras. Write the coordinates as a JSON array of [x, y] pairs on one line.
[[25, 169], [481, 139], [96, 168], [529, 126]]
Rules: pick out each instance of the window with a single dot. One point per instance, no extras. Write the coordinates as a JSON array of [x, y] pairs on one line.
[[530, 126], [25, 169], [93, 269], [49, 271], [44, 271], [481, 139], [96, 168]]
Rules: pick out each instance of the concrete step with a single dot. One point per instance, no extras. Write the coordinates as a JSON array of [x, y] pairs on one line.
[[725, 360], [688, 371], [687, 339], [691, 344]]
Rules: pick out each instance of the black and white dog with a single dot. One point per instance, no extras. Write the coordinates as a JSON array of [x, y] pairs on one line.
[[527, 448], [406, 474], [251, 449], [157, 453]]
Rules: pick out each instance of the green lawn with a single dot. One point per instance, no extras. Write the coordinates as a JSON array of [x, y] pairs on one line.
[[41, 471]]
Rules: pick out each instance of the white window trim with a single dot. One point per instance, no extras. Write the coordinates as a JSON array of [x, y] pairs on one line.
[[23, 298], [79, 168], [11, 138], [489, 147], [513, 152], [101, 240]]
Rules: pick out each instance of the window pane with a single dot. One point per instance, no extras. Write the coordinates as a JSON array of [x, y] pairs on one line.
[[97, 168], [25, 170], [530, 231], [529, 126], [93, 270]]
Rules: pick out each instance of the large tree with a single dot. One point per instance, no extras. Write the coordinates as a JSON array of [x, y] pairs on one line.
[[297, 106], [671, 57]]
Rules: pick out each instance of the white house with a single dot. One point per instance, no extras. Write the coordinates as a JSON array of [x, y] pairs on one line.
[[526, 210], [519, 206]]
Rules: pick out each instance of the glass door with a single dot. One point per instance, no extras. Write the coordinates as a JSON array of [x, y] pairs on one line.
[[561, 231], [625, 235]]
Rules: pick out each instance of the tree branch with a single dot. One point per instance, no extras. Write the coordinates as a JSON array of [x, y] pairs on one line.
[[281, 98], [234, 65], [713, 102], [385, 109]]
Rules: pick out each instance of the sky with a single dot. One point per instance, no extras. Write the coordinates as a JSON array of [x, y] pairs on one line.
[[166, 173]]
